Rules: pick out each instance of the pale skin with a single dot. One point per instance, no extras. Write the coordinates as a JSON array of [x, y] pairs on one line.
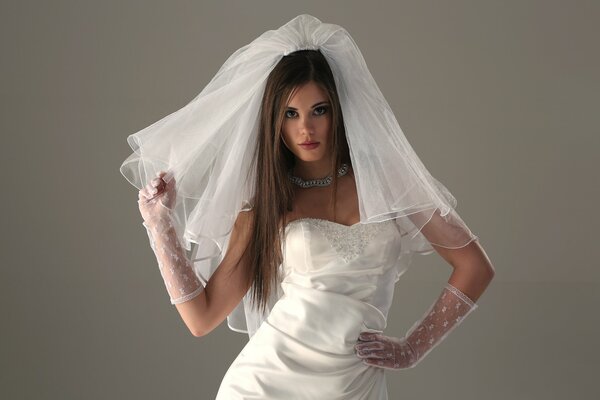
[[308, 118]]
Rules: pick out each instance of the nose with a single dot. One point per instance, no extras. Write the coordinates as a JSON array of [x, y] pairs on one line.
[[306, 126]]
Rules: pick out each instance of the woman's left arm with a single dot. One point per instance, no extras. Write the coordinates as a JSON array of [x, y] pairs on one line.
[[472, 268], [472, 273]]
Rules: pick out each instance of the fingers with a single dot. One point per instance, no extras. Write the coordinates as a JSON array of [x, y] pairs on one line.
[[377, 357], [166, 176], [156, 186], [373, 350], [383, 354], [369, 336], [143, 194], [164, 180], [376, 349], [156, 182], [369, 346], [148, 193]]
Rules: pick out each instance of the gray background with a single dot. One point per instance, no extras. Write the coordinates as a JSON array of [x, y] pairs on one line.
[[498, 98]]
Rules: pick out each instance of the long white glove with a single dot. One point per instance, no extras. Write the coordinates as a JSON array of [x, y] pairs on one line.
[[446, 313], [155, 203]]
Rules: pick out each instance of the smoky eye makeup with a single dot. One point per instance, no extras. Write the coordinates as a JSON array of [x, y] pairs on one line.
[[324, 107]]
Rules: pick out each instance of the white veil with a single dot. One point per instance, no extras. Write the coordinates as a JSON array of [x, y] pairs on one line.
[[207, 146]]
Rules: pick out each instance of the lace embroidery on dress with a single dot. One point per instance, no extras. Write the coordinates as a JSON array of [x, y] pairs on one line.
[[348, 240]]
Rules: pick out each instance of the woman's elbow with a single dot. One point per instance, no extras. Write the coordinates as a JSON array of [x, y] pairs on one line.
[[491, 271], [198, 329], [198, 333], [202, 327], [194, 314]]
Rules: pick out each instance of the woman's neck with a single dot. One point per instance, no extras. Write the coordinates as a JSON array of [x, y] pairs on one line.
[[312, 169]]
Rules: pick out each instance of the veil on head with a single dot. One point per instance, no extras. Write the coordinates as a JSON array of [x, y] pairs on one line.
[[208, 144]]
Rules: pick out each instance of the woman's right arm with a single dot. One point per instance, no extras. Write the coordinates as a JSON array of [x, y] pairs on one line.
[[201, 308], [227, 285]]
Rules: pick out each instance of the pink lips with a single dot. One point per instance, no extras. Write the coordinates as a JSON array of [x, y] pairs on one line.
[[310, 146]]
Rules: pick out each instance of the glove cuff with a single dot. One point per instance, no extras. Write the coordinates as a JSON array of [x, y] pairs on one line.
[[446, 313]]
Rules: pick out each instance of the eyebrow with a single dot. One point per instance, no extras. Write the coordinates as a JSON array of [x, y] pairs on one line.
[[314, 105]]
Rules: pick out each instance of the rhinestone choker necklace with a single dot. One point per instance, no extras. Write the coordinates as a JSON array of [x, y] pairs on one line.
[[317, 182]]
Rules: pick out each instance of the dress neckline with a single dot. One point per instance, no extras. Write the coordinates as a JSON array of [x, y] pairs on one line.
[[324, 220]]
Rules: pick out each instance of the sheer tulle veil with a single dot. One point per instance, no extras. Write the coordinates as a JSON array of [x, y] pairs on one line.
[[207, 146]]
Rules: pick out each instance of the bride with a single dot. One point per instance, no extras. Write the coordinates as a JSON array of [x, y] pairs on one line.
[[323, 232]]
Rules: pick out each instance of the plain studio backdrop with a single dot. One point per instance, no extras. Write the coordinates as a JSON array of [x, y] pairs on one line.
[[498, 98]]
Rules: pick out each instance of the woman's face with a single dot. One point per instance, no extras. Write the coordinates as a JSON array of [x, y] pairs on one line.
[[307, 119]]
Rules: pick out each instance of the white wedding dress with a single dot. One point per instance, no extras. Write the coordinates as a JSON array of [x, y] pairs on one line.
[[338, 281]]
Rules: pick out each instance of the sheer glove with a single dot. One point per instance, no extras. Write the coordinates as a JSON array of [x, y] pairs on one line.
[[448, 311], [155, 203]]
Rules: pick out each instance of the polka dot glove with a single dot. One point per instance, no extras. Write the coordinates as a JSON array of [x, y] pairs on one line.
[[376, 349], [156, 202]]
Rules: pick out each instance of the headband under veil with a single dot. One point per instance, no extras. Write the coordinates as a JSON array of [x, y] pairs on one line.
[[208, 144]]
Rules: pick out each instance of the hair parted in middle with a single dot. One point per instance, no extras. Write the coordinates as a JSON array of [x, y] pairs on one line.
[[274, 192]]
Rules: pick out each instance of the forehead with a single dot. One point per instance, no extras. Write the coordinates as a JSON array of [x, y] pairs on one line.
[[310, 92]]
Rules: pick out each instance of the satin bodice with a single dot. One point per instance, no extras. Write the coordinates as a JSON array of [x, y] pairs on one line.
[[357, 261]]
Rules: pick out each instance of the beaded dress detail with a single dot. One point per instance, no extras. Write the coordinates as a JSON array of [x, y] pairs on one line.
[[348, 240]]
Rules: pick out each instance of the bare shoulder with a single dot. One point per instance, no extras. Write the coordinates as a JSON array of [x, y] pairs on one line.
[[242, 226], [245, 216]]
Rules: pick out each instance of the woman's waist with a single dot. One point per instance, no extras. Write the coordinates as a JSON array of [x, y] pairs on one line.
[[325, 320]]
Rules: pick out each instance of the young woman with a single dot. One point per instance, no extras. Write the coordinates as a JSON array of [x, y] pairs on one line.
[[321, 231]]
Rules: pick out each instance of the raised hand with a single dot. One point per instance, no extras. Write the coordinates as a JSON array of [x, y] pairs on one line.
[[156, 201], [157, 198]]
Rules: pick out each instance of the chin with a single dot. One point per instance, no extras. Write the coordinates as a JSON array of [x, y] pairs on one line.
[[309, 157]]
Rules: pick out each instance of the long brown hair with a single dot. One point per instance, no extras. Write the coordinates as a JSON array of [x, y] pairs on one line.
[[274, 193]]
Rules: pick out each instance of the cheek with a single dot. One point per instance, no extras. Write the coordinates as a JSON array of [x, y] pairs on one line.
[[325, 127], [286, 128], [287, 140], [285, 135]]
